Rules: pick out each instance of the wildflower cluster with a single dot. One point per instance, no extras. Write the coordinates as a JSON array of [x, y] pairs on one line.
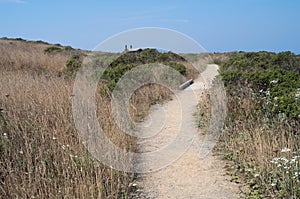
[[286, 181], [268, 101]]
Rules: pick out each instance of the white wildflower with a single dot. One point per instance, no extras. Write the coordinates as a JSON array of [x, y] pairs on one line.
[[296, 157], [285, 150], [256, 175], [275, 160], [21, 152], [297, 95], [274, 81], [54, 138], [284, 159], [273, 184]]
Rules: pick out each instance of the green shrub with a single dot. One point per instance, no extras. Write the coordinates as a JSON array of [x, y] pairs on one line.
[[274, 79], [179, 67], [263, 93], [127, 61], [162, 57], [52, 49], [68, 48], [73, 64], [40, 42], [19, 39]]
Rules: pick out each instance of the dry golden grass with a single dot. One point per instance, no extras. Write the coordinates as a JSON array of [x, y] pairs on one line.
[[204, 111], [144, 97], [41, 153], [17, 55]]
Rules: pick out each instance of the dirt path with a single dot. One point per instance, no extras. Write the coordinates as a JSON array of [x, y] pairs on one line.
[[189, 176]]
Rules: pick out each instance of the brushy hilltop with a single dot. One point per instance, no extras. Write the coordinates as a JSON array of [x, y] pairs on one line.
[[41, 155], [262, 135]]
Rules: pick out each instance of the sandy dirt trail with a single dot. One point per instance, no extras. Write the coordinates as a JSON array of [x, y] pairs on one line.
[[189, 177]]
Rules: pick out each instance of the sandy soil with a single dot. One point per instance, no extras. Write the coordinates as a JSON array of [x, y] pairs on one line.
[[189, 176]]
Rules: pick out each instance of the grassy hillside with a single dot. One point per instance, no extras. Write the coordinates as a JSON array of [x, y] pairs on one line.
[[41, 155], [262, 132], [39, 56]]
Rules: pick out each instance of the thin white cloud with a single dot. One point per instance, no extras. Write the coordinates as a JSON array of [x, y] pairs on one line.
[[13, 1]]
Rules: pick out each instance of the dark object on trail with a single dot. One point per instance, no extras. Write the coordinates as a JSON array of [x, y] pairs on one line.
[[186, 84]]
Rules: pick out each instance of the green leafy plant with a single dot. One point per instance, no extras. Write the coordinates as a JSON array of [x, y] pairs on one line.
[[73, 64], [127, 61], [286, 178], [52, 49], [272, 77], [68, 48], [263, 91]]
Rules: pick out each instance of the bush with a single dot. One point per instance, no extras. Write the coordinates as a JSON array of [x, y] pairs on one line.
[[41, 42], [52, 49], [263, 92], [127, 61], [73, 64], [272, 77], [68, 48], [179, 67]]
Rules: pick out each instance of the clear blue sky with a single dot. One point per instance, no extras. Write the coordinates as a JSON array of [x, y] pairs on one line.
[[218, 25]]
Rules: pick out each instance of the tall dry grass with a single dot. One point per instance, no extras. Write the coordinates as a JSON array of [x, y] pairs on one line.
[[144, 97], [17, 55], [252, 141], [41, 155]]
